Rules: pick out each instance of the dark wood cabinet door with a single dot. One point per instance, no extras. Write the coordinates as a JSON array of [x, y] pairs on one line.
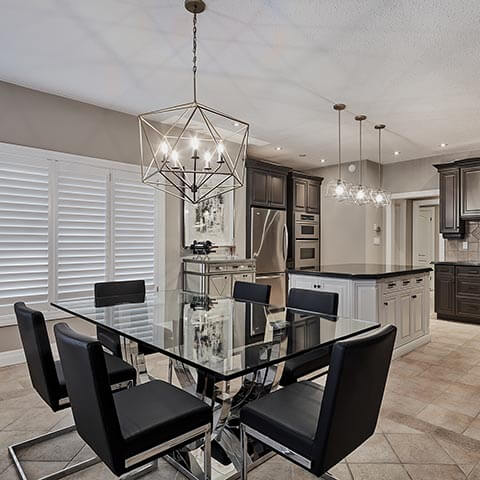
[[450, 222], [278, 190], [445, 295], [259, 188], [470, 181], [300, 194], [313, 197]]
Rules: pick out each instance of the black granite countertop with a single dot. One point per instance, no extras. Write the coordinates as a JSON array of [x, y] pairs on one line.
[[453, 262], [363, 270]]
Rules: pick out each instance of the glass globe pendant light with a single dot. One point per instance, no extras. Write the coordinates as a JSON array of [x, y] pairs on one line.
[[360, 193], [337, 188], [192, 151], [380, 197]]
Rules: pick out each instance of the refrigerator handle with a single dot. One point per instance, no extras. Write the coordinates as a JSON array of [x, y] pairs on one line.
[[285, 241]]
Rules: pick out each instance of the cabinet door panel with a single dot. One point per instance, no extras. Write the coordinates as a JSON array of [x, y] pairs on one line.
[[444, 294], [389, 312], [259, 182], [278, 191], [300, 195], [403, 320], [313, 197], [450, 222], [417, 307], [470, 192]]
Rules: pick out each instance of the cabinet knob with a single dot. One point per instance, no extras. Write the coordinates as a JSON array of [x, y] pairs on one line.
[[385, 303], [414, 296]]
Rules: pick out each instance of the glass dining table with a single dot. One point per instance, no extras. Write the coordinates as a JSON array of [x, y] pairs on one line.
[[224, 351]]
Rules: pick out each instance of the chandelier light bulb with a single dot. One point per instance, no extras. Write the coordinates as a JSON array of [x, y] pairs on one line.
[[176, 163], [195, 143], [220, 148], [360, 195], [208, 158], [379, 198], [164, 148]]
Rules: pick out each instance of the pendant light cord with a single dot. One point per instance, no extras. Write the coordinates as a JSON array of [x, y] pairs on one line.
[[380, 171], [194, 50], [361, 161], [339, 148]]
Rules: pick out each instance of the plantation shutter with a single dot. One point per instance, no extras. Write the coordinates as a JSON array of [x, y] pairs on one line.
[[133, 229], [23, 232], [81, 229]]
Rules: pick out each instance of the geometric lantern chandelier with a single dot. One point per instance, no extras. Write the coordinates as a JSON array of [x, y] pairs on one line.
[[192, 151], [380, 197]]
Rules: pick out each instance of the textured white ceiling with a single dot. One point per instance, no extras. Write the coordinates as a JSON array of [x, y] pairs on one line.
[[278, 64]]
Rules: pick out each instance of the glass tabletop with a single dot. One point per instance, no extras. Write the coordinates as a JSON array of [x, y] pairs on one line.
[[222, 337]]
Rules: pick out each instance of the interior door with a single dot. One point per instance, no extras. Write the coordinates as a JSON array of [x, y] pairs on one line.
[[424, 236]]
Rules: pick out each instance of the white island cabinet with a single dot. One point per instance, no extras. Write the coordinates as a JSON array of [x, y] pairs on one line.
[[385, 294]]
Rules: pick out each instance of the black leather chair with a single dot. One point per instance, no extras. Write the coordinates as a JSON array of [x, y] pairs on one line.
[[130, 428], [314, 427], [252, 292], [319, 302], [108, 294], [48, 379]]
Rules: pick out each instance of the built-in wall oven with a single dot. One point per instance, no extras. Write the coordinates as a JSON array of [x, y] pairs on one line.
[[307, 226], [307, 254]]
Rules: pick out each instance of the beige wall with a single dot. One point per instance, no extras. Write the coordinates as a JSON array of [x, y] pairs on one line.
[[35, 119], [347, 230]]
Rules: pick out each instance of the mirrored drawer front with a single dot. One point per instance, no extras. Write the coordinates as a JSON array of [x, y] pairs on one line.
[[469, 271]]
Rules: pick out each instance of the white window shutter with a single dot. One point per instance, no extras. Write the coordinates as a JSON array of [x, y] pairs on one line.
[[133, 234], [23, 232], [81, 229]]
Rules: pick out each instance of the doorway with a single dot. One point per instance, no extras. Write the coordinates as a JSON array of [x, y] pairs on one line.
[[412, 232]]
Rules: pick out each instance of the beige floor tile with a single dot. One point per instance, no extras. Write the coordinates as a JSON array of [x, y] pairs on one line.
[[442, 373], [38, 419], [8, 438], [475, 473], [456, 403], [435, 472], [418, 448], [389, 426], [462, 450], [403, 404], [385, 471], [466, 468], [472, 432], [457, 422], [375, 450], [471, 379]]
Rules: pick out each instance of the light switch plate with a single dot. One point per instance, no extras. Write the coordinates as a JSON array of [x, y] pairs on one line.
[[465, 245], [376, 240]]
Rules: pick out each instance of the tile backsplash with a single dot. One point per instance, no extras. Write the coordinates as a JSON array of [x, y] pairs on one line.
[[454, 248]]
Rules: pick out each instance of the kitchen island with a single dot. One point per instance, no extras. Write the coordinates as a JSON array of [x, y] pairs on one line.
[[397, 294]]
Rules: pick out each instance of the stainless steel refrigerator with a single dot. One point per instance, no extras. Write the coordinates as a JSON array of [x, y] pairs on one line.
[[269, 246]]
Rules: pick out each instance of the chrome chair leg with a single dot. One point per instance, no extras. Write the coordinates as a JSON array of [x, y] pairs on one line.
[[327, 476], [170, 370], [12, 450], [244, 448], [207, 455]]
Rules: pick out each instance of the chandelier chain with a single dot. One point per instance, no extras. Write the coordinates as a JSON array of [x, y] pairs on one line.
[[194, 50]]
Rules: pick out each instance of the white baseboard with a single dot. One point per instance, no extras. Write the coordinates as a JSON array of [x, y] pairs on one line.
[[408, 347], [12, 357]]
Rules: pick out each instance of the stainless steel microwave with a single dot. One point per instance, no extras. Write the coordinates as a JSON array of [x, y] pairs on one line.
[[307, 226]]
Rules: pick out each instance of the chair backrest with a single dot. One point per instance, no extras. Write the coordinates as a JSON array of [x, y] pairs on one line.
[[353, 396], [319, 302], [252, 292], [90, 395], [38, 353], [108, 294], [114, 293]]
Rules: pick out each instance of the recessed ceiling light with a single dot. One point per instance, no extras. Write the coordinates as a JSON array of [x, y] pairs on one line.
[[322, 160], [278, 148], [396, 152], [443, 145], [236, 124]]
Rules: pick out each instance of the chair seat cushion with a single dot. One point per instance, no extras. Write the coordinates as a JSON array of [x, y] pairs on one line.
[[288, 416], [305, 364], [118, 370], [155, 412]]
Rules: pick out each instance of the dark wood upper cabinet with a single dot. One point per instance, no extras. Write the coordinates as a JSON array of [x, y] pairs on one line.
[[313, 198], [300, 192], [470, 185], [258, 183], [266, 186], [450, 223], [278, 190]]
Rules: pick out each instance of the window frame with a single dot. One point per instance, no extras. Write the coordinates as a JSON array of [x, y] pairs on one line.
[[49, 158]]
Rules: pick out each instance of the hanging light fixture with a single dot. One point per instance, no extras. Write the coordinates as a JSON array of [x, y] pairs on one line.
[[192, 151], [337, 188], [360, 193], [380, 197]]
